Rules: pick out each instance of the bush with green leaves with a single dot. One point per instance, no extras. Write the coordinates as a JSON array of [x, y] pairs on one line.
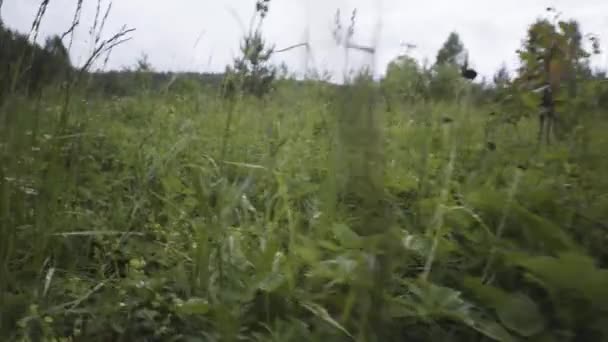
[[252, 73], [405, 80]]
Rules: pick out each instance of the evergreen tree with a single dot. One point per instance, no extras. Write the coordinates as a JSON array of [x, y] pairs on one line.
[[451, 51], [252, 72], [501, 78]]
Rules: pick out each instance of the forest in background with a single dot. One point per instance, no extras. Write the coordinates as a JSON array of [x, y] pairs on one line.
[[139, 205]]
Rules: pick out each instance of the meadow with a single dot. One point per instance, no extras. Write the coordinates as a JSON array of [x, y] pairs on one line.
[[314, 213]]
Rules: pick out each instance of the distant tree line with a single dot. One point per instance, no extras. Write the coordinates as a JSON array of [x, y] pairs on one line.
[[129, 82], [27, 67], [552, 57]]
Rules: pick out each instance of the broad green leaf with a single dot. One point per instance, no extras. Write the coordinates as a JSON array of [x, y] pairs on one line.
[[346, 236], [489, 295], [516, 311], [437, 301], [540, 229], [338, 270], [490, 204], [569, 271], [489, 328], [329, 245], [520, 314], [308, 252], [271, 282], [322, 313]]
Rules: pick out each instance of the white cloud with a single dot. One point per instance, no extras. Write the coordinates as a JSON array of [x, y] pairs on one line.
[[167, 30]]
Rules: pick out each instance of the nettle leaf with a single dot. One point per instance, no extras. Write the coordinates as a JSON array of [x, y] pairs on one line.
[[431, 301], [517, 312], [324, 315], [346, 236], [308, 252], [341, 269], [489, 328], [271, 282], [569, 271], [538, 228], [329, 245], [276, 277]]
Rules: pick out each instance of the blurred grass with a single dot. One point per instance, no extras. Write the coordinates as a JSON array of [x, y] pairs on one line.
[[319, 216]]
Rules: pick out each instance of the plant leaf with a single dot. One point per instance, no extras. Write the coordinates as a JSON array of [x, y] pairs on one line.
[[519, 313], [322, 313], [516, 311], [439, 301]]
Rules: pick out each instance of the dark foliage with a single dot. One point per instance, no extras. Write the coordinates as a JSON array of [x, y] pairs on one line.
[[27, 67], [127, 83]]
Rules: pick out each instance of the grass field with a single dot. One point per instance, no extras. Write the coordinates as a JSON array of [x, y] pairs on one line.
[[314, 214]]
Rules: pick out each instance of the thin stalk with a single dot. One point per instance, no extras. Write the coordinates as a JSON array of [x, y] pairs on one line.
[[437, 225], [502, 224]]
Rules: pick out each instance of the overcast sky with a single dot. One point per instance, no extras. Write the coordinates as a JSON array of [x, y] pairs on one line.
[[168, 31]]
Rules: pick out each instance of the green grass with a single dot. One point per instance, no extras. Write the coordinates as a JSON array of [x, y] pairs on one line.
[[313, 215]]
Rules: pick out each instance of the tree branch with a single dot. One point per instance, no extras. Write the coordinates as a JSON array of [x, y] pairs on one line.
[[291, 47]]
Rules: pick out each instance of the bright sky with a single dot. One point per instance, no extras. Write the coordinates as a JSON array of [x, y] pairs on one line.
[[168, 31]]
